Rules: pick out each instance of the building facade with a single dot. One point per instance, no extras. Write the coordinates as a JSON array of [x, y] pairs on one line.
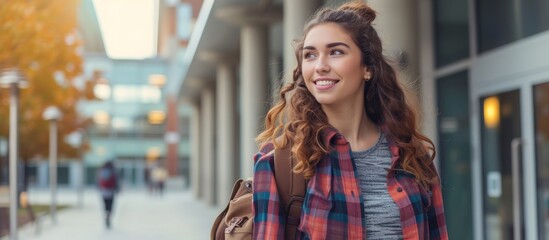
[[131, 120], [483, 76], [490, 55]]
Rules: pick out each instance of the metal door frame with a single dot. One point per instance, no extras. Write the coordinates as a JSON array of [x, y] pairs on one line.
[[528, 176]]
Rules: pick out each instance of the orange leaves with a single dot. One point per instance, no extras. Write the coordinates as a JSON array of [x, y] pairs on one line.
[[40, 37]]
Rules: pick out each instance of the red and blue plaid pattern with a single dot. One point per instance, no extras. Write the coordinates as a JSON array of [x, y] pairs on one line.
[[333, 206]]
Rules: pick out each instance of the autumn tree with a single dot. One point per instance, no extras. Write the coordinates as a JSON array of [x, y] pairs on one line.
[[40, 37]]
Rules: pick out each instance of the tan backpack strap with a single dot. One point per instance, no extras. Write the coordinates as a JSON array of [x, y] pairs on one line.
[[218, 221], [291, 188]]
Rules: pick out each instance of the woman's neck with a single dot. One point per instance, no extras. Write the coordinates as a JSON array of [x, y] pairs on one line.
[[354, 125]]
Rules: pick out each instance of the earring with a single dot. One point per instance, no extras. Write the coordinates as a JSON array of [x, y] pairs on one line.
[[368, 76]]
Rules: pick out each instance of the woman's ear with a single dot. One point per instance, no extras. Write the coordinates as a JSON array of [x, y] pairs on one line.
[[367, 74]]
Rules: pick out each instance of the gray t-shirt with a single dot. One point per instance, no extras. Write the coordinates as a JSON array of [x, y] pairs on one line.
[[382, 216]]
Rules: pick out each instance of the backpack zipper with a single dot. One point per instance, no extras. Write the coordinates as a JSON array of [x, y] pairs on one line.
[[235, 222]]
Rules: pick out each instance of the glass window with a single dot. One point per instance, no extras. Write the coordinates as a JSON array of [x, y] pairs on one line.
[[62, 175], [31, 174], [3, 161], [541, 108], [91, 174], [184, 21], [124, 93], [504, 21], [150, 94], [122, 123], [500, 129], [455, 154], [451, 31], [535, 16], [136, 93], [495, 23]]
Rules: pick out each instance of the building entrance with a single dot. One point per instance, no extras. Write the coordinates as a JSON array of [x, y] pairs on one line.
[[501, 141]]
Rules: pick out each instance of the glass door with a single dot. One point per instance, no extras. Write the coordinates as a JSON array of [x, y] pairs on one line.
[[502, 166], [541, 112]]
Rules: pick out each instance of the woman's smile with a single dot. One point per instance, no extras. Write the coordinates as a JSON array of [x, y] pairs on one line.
[[325, 83]]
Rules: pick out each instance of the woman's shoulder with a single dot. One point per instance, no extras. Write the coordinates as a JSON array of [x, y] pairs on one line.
[[265, 154], [267, 149]]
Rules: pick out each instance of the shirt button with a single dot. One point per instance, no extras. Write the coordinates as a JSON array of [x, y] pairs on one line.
[[399, 189]]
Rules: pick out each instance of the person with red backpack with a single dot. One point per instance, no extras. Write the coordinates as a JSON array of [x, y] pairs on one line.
[[108, 186]]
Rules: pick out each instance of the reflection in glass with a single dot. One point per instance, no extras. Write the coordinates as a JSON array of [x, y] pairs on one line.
[[504, 21], [541, 108], [497, 134], [451, 31]]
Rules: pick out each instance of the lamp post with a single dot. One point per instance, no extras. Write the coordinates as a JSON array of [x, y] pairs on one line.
[[13, 79], [76, 140], [52, 114], [82, 184]]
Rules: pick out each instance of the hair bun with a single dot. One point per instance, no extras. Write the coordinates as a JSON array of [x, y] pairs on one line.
[[361, 8]]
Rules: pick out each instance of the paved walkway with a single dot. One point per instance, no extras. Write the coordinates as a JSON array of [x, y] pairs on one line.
[[137, 216]]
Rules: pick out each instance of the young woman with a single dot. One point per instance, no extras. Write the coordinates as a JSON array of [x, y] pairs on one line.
[[345, 117]]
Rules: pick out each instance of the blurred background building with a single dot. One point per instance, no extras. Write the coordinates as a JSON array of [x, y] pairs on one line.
[[130, 119]]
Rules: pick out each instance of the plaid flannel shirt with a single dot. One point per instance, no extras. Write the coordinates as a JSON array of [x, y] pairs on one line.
[[333, 206]]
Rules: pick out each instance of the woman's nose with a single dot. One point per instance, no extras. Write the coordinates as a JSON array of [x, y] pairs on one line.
[[322, 66]]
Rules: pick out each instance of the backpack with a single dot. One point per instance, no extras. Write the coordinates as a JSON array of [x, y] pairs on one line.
[[236, 220], [107, 178]]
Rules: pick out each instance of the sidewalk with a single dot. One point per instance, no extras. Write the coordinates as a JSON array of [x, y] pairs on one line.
[[137, 216]]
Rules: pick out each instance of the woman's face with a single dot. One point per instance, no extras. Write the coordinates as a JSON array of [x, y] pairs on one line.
[[331, 66]]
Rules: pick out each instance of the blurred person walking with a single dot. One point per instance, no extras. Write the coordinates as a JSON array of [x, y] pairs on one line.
[[159, 176], [108, 186], [148, 178]]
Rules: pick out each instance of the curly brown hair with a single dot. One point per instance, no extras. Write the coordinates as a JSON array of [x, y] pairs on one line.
[[300, 121]]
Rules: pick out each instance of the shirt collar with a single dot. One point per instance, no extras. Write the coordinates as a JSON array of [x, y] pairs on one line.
[[332, 137]]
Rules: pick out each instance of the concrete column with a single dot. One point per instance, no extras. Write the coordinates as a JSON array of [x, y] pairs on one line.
[[196, 140], [427, 70], [254, 21], [171, 137], [227, 162], [207, 155], [253, 93], [397, 24], [296, 14]]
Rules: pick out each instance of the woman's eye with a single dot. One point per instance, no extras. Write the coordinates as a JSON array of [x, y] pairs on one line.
[[336, 52], [308, 55]]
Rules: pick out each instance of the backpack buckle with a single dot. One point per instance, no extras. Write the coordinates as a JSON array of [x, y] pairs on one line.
[[234, 223]]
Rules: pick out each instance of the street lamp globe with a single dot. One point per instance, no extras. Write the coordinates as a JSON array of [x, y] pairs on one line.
[[12, 76], [51, 113]]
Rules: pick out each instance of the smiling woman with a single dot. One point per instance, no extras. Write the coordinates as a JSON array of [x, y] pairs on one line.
[[345, 119], [129, 27]]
